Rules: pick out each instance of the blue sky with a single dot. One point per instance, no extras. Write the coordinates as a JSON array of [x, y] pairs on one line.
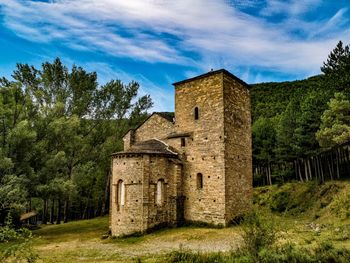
[[158, 42]]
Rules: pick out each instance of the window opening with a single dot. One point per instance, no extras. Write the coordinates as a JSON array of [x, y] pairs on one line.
[[199, 181], [196, 113]]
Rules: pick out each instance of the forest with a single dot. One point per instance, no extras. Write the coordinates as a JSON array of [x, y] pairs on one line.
[[297, 125], [58, 127]]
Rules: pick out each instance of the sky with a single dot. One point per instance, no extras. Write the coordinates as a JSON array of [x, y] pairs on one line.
[[159, 42]]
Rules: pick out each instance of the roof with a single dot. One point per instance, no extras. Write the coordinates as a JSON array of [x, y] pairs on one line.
[[28, 215], [213, 72], [179, 135], [153, 146], [169, 116]]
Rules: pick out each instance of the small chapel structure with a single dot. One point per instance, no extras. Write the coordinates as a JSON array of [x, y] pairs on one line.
[[194, 165]]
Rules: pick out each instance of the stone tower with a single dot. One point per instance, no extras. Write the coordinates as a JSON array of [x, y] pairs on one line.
[[194, 167], [215, 109]]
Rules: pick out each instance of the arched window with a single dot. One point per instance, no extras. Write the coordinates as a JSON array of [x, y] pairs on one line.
[[196, 113], [120, 194], [199, 181], [160, 192]]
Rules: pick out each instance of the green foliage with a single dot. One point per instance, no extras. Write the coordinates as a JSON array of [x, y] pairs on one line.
[[335, 126], [287, 116], [259, 232], [12, 192], [18, 244], [337, 66], [294, 198], [341, 205], [308, 199], [264, 138], [192, 257], [58, 129], [271, 99], [308, 122], [324, 253]]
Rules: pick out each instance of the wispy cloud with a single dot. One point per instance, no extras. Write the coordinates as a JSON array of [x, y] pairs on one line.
[[290, 8], [218, 32], [163, 97]]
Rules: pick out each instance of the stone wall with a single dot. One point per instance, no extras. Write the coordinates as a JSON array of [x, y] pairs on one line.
[[129, 139], [204, 150], [154, 127], [238, 148], [166, 170], [140, 174], [128, 218]]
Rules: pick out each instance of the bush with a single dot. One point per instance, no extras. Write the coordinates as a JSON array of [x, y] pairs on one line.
[[259, 232], [341, 205], [284, 254], [324, 253], [191, 257], [280, 201], [259, 239], [18, 244]]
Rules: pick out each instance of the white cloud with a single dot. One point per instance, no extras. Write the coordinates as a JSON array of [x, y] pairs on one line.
[[216, 31], [291, 7]]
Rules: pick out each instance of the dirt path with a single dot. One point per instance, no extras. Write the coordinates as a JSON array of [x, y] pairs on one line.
[[149, 247]]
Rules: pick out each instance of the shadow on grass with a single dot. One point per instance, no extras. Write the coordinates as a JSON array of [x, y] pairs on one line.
[[83, 229]]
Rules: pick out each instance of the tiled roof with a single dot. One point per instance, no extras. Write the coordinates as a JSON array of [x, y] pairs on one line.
[[153, 146]]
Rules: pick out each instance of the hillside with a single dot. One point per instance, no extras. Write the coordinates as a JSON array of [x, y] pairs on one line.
[[305, 214], [271, 98]]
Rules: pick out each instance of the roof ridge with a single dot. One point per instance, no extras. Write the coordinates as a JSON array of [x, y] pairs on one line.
[[212, 72]]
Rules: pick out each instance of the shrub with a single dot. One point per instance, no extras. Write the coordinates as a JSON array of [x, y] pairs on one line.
[[341, 205], [280, 201], [325, 252], [259, 232], [18, 244]]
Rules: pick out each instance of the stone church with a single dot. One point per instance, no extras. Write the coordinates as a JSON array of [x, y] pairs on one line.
[[194, 165]]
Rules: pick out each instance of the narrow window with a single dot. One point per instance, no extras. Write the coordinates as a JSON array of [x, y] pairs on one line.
[[196, 113], [183, 142], [120, 194], [160, 192], [199, 181]]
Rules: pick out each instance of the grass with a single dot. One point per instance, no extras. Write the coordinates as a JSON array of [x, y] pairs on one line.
[[306, 217], [81, 230], [82, 241]]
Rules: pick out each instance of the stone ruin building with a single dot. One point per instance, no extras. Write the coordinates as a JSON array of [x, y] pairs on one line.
[[194, 165]]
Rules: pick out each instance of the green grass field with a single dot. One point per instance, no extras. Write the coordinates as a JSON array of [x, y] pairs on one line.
[[305, 215]]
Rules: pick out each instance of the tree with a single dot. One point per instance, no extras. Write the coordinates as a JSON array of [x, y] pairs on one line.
[[308, 122], [264, 143], [57, 125], [335, 122], [287, 148], [337, 67]]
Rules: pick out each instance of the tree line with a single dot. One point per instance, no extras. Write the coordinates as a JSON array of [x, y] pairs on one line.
[[295, 122], [58, 128]]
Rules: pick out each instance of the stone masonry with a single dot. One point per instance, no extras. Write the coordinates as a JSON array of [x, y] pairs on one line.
[[194, 167]]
